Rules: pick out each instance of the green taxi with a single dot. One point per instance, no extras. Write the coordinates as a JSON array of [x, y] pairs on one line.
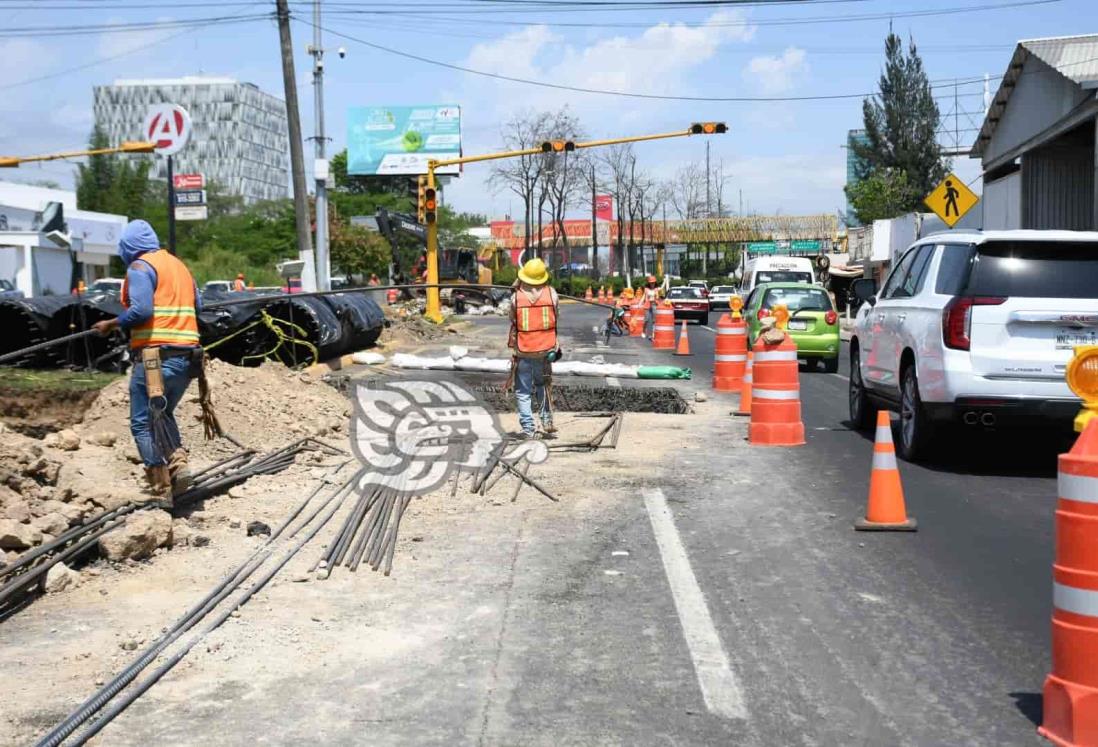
[[813, 322]]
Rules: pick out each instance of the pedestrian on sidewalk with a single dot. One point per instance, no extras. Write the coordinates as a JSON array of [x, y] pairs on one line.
[[651, 301], [535, 308], [161, 304]]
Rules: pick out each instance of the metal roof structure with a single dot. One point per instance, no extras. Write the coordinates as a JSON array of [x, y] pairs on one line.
[[1074, 57]]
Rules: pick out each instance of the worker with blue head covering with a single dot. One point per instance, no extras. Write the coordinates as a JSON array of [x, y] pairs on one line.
[[161, 306]]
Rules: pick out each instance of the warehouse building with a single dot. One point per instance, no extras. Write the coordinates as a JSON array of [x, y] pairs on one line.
[[239, 141], [1037, 141]]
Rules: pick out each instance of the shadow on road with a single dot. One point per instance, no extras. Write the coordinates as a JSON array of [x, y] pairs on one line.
[[1031, 706]]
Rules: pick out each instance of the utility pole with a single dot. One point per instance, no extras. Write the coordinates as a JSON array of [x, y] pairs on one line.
[[320, 168], [594, 225], [708, 212], [297, 156]]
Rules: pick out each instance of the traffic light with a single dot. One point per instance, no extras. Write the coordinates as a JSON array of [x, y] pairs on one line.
[[430, 204], [558, 146], [708, 128], [421, 194]]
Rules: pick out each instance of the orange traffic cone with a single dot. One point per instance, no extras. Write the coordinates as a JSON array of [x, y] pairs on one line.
[[602, 293], [1071, 690], [588, 295], [684, 342], [748, 382], [885, 511]]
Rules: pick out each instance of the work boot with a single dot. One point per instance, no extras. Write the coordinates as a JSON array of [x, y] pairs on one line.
[[160, 485], [179, 472]]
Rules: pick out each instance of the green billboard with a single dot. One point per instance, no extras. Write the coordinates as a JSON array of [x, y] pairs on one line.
[[384, 140]]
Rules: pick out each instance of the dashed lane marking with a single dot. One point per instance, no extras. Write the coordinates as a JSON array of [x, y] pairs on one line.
[[709, 328], [720, 688]]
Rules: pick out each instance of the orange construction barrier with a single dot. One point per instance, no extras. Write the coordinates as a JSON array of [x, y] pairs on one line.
[[885, 511], [636, 321], [1071, 690], [730, 355], [602, 293], [392, 296], [663, 332], [684, 342], [610, 293], [588, 295], [776, 396], [745, 390]]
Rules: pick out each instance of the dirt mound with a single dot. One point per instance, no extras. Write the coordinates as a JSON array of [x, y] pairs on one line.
[[96, 466]]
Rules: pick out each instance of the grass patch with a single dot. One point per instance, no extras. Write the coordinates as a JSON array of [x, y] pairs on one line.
[[22, 379]]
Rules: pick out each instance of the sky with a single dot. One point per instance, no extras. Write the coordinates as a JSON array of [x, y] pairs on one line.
[[783, 156]]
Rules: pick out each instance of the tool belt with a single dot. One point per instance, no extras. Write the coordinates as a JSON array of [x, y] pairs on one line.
[[151, 358]]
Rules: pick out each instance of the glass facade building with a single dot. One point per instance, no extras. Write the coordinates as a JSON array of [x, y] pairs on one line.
[[239, 139]]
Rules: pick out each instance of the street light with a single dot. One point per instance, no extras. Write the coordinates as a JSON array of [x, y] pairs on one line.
[[130, 146]]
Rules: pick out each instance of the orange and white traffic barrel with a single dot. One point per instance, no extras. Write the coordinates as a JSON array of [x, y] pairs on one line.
[[730, 354], [1071, 690], [392, 296], [663, 331], [776, 395]]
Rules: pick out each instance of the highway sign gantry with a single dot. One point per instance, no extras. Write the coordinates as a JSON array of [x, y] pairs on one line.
[[951, 199]]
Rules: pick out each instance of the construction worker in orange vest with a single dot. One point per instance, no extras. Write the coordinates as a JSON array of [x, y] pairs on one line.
[[238, 284], [161, 305], [533, 339], [651, 296]]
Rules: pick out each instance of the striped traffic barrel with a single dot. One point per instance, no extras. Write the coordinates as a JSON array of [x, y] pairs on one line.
[[775, 395], [730, 354], [663, 331], [1071, 690]]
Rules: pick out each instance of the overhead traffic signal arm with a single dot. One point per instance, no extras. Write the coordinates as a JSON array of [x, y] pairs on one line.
[[139, 146]]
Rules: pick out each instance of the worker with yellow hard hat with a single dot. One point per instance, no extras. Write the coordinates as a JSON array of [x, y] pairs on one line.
[[535, 307]]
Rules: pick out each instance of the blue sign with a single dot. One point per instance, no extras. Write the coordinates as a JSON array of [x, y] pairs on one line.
[[390, 140]]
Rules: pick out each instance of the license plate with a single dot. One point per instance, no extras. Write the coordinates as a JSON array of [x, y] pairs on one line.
[[799, 325], [1066, 339]]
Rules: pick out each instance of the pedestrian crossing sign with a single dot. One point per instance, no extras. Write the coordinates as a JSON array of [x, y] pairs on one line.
[[951, 199]]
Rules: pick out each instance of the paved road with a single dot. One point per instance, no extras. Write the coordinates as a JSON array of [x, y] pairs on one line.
[[837, 637]]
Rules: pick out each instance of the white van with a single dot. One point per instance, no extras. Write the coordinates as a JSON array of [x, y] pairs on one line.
[[776, 270]]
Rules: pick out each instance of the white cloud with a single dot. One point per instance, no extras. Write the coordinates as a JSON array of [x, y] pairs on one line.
[[123, 42], [775, 74]]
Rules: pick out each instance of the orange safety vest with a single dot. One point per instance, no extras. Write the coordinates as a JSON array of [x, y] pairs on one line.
[[536, 322], [238, 285], [173, 321]]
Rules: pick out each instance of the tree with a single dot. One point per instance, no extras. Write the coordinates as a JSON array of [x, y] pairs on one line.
[[521, 175], [884, 193], [397, 186], [901, 125], [620, 163], [110, 183]]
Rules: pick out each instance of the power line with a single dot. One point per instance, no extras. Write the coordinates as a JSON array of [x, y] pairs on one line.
[[85, 29]]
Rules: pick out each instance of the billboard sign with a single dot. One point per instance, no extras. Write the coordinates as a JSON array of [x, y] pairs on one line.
[[169, 126], [392, 140], [190, 197], [604, 207], [189, 181]]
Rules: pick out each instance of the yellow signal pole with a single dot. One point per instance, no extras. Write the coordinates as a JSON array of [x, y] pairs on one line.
[[139, 146], [434, 305]]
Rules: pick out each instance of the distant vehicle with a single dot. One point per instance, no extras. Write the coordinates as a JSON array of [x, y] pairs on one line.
[[776, 270], [720, 296], [7, 290], [975, 328], [339, 281], [702, 285], [689, 303], [218, 286], [813, 321], [105, 286]]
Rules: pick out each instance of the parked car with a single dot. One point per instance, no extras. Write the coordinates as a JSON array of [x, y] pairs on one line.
[[720, 296], [106, 286], [813, 321], [702, 285], [218, 286], [975, 329], [776, 270], [8, 290], [689, 303]]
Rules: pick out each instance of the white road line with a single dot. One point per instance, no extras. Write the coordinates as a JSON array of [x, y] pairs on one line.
[[709, 328], [612, 381], [844, 378], [720, 688]]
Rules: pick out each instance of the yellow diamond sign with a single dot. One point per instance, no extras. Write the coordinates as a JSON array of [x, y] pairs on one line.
[[951, 199]]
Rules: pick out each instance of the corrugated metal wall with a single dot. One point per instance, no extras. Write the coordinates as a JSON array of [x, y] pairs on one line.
[[1058, 183]]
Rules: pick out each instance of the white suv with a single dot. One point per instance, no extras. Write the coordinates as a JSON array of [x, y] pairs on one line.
[[975, 328]]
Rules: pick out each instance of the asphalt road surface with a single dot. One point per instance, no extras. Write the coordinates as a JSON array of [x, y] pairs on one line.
[[835, 637]]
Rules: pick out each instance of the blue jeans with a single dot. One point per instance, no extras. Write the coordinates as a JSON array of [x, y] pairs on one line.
[[650, 320], [176, 380], [529, 385]]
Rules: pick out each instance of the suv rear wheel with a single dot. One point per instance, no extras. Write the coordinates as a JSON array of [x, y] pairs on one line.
[[915, 428], [859, 400]]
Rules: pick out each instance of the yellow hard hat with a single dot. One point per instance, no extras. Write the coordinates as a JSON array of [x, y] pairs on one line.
[[534, 272]]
